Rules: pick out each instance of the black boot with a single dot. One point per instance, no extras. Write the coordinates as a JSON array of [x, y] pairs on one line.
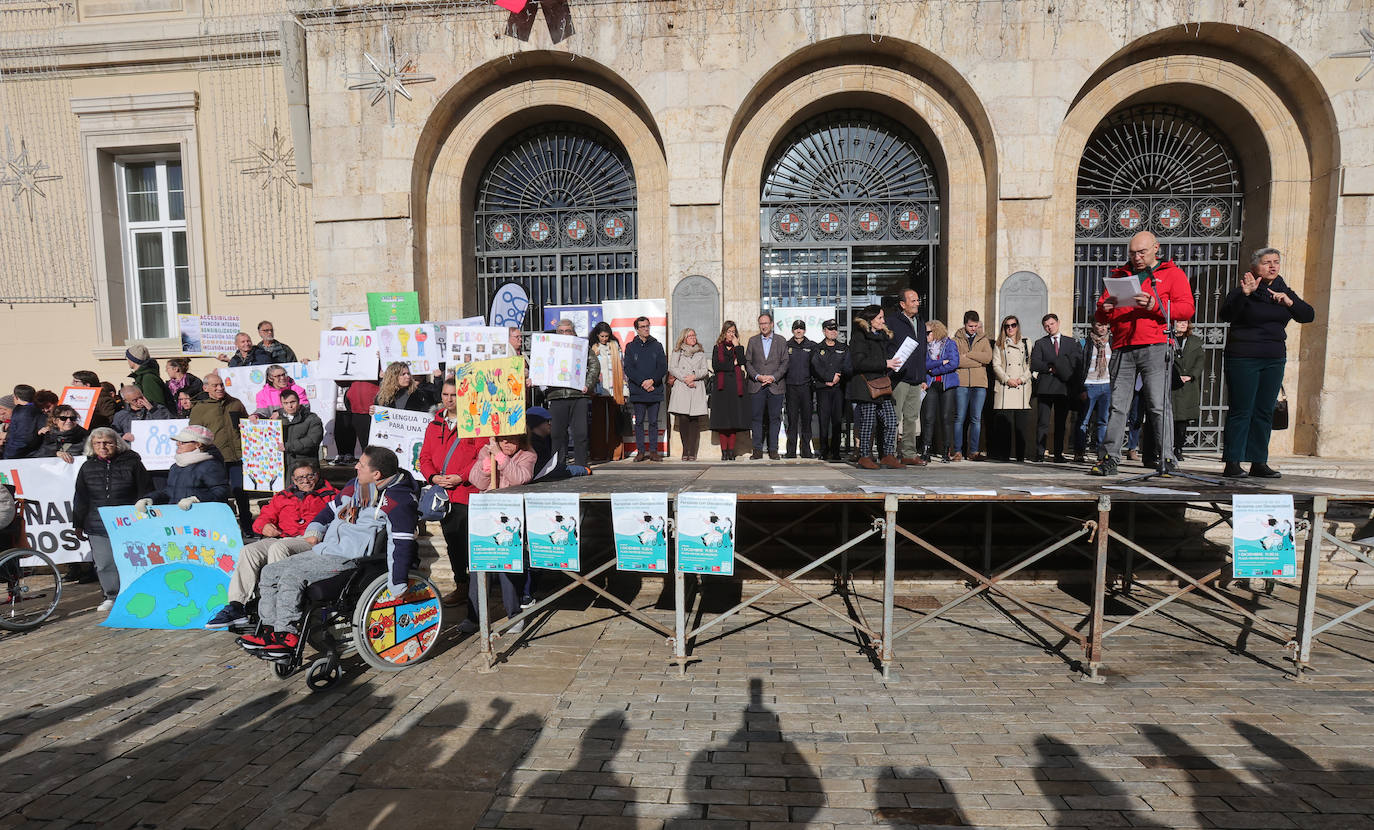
[[1234, 470]]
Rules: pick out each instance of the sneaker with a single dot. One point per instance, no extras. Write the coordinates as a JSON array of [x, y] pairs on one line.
[[467, 627], [1105, 467], [255, 642], [105, 605], [526, 601], [231, 614], [281, 645], [516, 628]]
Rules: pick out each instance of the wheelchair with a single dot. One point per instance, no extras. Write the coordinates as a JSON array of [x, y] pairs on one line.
[[354, 613]]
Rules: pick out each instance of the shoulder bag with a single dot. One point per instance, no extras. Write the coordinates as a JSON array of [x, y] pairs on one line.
[[434, 503], [1281, 410], [880, 387]]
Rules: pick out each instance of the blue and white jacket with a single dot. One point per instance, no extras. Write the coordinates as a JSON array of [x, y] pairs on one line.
[[397, 510]]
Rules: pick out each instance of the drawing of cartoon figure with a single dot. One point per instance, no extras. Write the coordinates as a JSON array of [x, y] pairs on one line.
[[507, 530], [717, 532], [1279, 535], [564, 530], [650, 530]]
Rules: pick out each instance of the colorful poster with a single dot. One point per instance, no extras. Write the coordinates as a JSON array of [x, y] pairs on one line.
[[621, 314], [640, 524], [491, 397], [208, 334], [552, 520], [558, 360], [153, 442], [583, 317], [402, 432], [351, 321], [43, 488], [469, 343], [705, 533], [82, 399], [262, 455], [348, 355], [496, 534], [1262, 544], [393, 308], [401, 629], [812, 316], [414, 344], [174, 564], [509, 306]]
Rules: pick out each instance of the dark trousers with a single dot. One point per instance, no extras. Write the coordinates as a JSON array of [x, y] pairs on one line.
[[570, 412], [937, 418], [510, 594], [605, 437], [830, 408], [689, 429], [646, 426], [799, 418], [1010, 433], [455, 530], [344, 436], [362, 428], [241, 503], [1051, 410], [767, 412], [1252, 389]]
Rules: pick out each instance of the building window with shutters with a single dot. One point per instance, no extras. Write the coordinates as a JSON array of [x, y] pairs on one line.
[[157, 275]]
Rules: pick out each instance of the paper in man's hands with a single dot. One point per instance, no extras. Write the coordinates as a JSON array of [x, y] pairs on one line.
[[1122, 289], [903, 352]]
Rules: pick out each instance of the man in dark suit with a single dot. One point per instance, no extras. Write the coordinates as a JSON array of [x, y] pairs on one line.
[[765, 361], [1057, 360]]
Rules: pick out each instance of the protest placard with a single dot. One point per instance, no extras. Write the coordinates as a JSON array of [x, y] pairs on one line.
[[263, 462], [402, 432], [469, 343], [392, 308], [351, 321], [621, 315], [1262, 543], [245, 382], [153, 442], [640, 525], [43, 488], [414, 345], [491, 397], [348, 355], [509, 305], [174, 564], [496, 535], [706, 533], [583, 317], [208, 334], [552, 521], [558, 360], [82, 399]]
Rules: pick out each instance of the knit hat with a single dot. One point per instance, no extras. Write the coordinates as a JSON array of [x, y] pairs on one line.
[[197, 433], [7, 401], [138, 353]]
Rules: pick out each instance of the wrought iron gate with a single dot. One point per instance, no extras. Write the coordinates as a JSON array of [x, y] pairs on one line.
[[556, 214], [1171, 172], [849, 213]]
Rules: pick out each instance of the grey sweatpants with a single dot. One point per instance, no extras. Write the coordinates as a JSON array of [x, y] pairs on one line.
[[281, 588], [254, 557]]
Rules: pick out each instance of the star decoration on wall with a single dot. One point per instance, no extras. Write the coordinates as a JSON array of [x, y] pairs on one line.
[[273, 162], [1367, 53], [389, 77], [26, 177]]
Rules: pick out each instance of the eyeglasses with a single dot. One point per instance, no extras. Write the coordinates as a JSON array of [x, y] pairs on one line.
[[276, 377], [642, 326], [307, 477], [1010, 325]]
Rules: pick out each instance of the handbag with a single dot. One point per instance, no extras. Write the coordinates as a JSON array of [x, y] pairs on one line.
[[434, 502], [880, 387], [1281, 410]]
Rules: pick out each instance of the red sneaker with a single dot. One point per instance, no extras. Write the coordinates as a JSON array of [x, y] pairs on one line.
[[255, 642], [281, 645]]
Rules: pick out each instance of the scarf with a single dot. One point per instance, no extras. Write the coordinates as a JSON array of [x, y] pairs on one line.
[[365, 495], [726, 353], [186, 459], [935, 348], [1100, 353]]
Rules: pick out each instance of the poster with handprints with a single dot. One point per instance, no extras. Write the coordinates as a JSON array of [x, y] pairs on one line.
[[491, 397], [348, 355], [496, 532], [153, 442], [558, 360], [467, 344], [402, 432], [262, 455], [415, 345]]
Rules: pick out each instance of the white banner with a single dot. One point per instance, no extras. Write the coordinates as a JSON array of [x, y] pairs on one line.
[[153, 442], [621, 314], [321, 392], [402, 432], [45, 487], [413, 344], [469, 343], [351, 321], [812, 316], [558, 360], [348, 355]]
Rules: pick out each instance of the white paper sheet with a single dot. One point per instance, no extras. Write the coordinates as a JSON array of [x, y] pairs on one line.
[[1122, 289], [962, 491], [1049, 491], [894, 490], [904, 351]]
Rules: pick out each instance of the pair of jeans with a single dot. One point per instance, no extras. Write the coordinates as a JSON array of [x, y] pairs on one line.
[[968, 407], [906, 401], [1252, 390], [570, 412], [1129, 362], [799, 418], [1097, 406], [767, 414], [646, 422]]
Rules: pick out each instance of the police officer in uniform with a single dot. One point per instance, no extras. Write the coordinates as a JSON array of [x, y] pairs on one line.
[[829, 369], [798, 380]]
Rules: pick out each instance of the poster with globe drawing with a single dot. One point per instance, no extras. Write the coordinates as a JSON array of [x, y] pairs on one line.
[[415, 345], [174, 564]]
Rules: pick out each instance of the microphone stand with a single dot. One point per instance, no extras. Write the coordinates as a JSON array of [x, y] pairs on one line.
[[1166, 426]]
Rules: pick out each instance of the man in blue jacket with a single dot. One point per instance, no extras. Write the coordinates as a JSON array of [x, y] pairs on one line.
[[646, 366], [906, 381], [22, 440]]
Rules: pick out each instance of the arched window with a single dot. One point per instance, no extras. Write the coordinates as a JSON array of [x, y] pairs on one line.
[[1169, 171], [850, 213], [556, 214]]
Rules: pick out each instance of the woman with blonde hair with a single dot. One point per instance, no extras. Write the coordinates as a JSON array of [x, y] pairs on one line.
[[402, 390], [608, 397], [942, 378], [1011, 394], [729, 399], [689, 368]]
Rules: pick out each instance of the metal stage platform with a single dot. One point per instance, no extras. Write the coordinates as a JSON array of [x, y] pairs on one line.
[[880, 522]]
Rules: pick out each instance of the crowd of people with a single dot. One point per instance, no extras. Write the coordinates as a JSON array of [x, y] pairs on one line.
[[910, 390]]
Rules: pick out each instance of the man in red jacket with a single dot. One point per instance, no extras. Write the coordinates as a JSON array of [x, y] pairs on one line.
[[283, 522], [1140, 343]]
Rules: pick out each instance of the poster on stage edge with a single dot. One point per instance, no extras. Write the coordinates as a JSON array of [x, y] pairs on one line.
[[705, 533], [552, 523], [496, 534], [640, 524]]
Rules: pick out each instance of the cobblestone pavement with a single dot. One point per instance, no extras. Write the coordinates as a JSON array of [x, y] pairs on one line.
[[783, 723]]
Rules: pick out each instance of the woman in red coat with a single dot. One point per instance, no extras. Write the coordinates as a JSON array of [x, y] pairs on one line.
[[447, 460]]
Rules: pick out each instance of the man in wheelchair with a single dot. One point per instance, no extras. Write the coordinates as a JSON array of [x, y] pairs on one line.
[[382, 497]]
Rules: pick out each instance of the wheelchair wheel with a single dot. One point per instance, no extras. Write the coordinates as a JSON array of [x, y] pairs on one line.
[[392, 633], [32, 589], [323, 673], [282, 669]]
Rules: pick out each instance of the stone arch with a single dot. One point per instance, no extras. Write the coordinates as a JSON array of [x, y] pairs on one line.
[[835, 75], [1284, 191], [471, 123]]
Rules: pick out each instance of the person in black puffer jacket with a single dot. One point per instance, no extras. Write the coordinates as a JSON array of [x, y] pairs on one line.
[[113, 475], [868, 357], [64, 437]]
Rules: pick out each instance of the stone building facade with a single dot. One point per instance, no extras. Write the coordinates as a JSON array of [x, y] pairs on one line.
[[995, 155]]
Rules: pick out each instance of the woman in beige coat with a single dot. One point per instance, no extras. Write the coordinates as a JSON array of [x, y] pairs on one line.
[[1011, 394], [689, 367]]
